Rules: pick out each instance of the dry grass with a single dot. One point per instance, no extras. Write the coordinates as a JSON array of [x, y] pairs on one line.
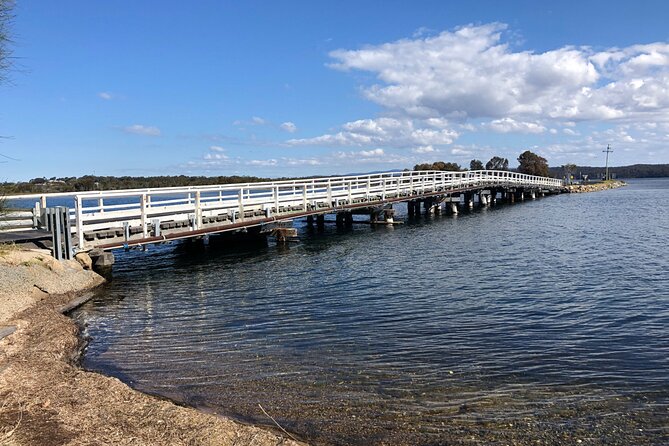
[[47, 399], [8, 248]]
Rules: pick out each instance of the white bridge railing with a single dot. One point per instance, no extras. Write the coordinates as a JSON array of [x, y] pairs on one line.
[[142, 209]]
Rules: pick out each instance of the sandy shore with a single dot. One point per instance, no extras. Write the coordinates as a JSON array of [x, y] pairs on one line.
[[46, 399]]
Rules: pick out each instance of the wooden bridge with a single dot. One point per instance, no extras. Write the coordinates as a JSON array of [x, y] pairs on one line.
[[125, 218]]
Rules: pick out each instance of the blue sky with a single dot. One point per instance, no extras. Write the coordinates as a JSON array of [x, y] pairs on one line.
[[312, 88]]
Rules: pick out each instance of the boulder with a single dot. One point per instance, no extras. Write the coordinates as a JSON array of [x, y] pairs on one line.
[[84, 260]]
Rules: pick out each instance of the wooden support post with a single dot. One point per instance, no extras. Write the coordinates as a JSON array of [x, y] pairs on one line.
[[340, 219], [348, 219], [389, 215], [57, 233], [67, 234], [320, 222], [310, 220], [284, 235]]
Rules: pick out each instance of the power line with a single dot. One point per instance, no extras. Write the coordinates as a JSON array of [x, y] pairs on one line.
[[8, 157], [607, 151]]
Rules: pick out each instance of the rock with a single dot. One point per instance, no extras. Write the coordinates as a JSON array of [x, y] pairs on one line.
[[84, 260], [54, 265]]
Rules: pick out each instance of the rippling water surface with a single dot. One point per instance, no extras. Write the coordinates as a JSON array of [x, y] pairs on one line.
[[543, 321]]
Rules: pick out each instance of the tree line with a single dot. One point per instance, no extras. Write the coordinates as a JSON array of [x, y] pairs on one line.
[[92, 182], [528, 162], [596, 173]]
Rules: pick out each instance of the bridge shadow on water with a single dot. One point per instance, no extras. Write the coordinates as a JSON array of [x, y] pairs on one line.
[[249, 245]]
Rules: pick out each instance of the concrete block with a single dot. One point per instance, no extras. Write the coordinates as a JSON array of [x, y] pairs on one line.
[[106, 259]]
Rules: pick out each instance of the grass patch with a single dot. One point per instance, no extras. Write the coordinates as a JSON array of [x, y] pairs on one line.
[[7, 248]]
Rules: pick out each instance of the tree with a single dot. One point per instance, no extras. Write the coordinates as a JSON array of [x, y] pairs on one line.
[[6, 16], [568, 170], [439, 165], [532, 164], [475, 165], [497, 163]]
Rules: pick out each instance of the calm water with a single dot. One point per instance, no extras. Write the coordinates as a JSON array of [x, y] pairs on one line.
[[540, 322]]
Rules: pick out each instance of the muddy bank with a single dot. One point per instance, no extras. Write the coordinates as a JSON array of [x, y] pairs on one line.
[[581, 188], [46, 399]]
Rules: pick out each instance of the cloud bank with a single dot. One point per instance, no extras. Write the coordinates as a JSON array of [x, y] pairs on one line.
[[470, 81]]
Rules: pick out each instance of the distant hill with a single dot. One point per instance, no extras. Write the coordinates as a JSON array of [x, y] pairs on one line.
[[633, 171]]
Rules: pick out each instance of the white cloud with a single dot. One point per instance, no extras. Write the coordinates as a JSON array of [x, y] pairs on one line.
[[216, 156], [472, 73], [105, 95], [457, 151], [216, 149], [386, 132], [370, 153], [302, 162], [145, 130], [507, 125], [263, 163], [423, 149], [288, 127], [258, 121]]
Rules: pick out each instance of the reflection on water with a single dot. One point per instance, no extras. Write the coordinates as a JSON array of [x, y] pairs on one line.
[[544, 321]]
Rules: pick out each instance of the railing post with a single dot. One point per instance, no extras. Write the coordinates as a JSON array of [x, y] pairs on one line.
[[79, 212], [36, 215], [329, 191], [143, 203], [276, 199], [304, 197], [240, 197], [198, 210], [101, 205]]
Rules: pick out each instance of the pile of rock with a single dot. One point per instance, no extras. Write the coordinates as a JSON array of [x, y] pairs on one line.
[[580, 188]]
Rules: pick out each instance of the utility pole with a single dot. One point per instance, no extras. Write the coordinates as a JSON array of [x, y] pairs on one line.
[[607, 151]]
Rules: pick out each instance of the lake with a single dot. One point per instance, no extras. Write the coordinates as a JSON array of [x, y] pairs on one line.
[[543, 322]]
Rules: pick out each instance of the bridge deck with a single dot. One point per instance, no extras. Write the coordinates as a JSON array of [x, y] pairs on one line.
[[112, 219]]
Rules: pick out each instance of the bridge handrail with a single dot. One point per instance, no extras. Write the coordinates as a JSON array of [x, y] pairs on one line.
[[96, 210], [259, 185]]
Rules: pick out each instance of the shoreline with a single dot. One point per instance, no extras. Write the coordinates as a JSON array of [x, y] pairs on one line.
[[47, 398], [596, 187]]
